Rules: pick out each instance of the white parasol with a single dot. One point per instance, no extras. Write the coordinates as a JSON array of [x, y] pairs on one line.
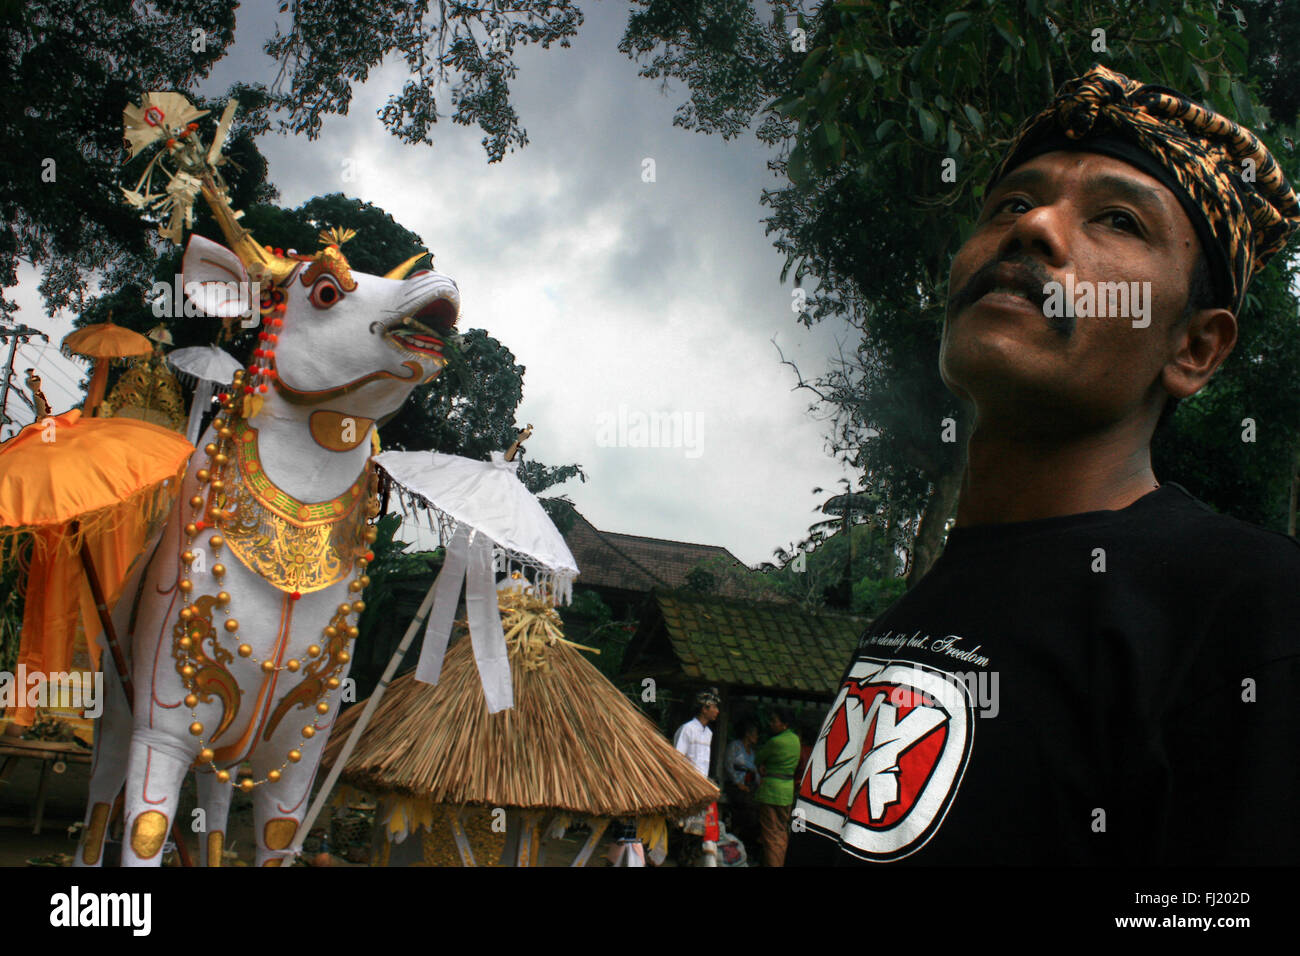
[[489, 522], [210, 366]]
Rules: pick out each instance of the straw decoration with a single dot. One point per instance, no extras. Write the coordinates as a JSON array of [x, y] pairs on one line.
[[572, 742]]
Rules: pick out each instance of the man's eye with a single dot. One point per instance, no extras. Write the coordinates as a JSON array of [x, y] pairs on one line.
[[1123, 221], [1014, 199]]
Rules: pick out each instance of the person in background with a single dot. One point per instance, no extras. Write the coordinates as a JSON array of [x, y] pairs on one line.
[[776, 762], [740, 781], [694, 740], [806, 735]]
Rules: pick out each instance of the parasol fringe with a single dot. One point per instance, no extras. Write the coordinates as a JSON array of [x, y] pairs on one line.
[[149, 506], [550, 582], [116, 361]]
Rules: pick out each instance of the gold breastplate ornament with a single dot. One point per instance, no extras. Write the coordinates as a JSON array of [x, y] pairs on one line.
[[294, 545]]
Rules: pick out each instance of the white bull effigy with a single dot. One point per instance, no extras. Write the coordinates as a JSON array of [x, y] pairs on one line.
[[238, 618]]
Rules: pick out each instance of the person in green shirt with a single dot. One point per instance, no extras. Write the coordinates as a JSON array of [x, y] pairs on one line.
[[776, 762]]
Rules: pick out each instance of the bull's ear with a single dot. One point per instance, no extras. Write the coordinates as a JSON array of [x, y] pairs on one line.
[[215, 280]]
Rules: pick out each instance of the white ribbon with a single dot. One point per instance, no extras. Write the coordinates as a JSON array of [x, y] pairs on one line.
[[485, 631], [446, 596], [469, 560]]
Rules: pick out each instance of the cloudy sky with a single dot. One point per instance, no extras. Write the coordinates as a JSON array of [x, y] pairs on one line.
[[625, 300]]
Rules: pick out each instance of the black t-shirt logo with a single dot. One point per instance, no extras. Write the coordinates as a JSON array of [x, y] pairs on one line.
[[889, 758]]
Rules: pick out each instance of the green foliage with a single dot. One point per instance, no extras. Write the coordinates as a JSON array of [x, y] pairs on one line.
[[702, 580], [558, 508], [467, 50], [471, 417], [1203, 450], [69, 69], [871, 596], [590, 621], [717, 46], [722, 575], [826, 569]]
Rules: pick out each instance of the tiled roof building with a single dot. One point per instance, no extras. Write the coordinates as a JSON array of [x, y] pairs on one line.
[[747, 647], [633, 563]]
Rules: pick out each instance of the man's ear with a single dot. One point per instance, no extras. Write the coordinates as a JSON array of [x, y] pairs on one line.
[[1200, 345]]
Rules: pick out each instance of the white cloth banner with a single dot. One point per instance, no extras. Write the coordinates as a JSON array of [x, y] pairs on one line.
[[437, 632], [469, 562], [490, 652]]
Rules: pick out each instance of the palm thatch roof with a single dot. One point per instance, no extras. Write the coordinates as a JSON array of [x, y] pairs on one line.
[[572, 742]]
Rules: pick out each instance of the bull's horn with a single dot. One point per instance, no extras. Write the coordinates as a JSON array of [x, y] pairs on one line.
[[401, 271], [262, 266]]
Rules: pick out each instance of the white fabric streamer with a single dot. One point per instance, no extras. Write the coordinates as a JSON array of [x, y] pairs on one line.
[[485, 630], [447, 596]]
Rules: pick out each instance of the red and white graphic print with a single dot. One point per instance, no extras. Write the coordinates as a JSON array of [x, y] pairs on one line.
[[889, 758]]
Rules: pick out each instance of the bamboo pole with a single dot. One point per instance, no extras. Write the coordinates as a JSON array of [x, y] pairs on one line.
[[598, 827], [461, 837], [359, 727], [105, 619], [536, 841]]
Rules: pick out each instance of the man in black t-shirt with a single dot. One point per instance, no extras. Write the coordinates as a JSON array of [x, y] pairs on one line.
[[1098, 668]]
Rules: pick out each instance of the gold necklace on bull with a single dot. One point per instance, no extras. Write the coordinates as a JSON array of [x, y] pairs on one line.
[[306, 547]]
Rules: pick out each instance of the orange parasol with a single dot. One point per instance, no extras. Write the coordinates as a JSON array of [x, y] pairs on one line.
[[104, 342], [89, 492]]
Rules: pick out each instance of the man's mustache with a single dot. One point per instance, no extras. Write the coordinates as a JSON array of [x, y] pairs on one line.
[[978, 283]]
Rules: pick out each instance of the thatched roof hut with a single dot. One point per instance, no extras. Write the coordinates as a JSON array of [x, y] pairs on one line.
[[572, 745]]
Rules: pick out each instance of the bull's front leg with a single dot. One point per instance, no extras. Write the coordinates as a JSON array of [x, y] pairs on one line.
[[107, 771], [155, 771], [113, 733], [214, 800], [278, 808]]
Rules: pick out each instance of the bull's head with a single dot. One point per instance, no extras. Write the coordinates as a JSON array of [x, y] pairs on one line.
[[356, 342]]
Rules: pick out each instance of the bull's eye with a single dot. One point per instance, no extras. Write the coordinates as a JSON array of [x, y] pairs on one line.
[[325, 293]]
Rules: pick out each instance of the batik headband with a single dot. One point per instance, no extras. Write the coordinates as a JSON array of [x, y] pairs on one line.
[[1233, 191]]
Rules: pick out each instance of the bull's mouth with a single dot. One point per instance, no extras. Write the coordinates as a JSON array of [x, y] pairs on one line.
[[425, 331]]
